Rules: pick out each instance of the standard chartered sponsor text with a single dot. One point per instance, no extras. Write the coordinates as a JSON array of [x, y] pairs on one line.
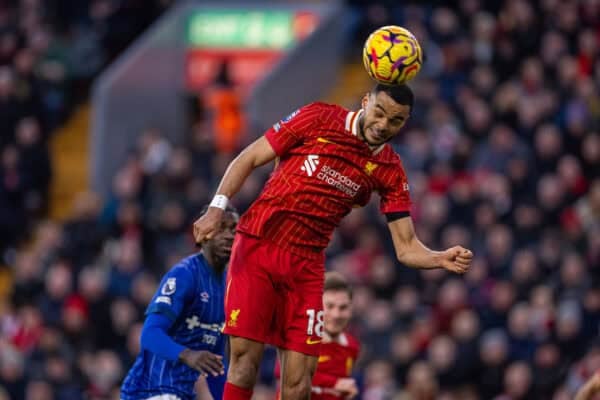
[[339, 181]]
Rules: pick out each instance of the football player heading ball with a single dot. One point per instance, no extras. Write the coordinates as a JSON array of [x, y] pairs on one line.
[[330, 160]]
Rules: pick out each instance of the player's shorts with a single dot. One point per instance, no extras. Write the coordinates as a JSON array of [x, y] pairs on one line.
[[274, 296]]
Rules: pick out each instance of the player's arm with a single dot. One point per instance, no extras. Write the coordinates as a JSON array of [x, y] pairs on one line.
[[175, 290], [256, 154], [590, 388], [340, 386], [324, 380], [154, 338], [411, 252], [275, 142], [202, 389]]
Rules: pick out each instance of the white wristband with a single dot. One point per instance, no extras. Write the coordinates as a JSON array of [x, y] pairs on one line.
[[219, 201]]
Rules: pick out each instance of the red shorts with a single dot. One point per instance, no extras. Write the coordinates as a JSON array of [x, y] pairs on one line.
[[274, 296]]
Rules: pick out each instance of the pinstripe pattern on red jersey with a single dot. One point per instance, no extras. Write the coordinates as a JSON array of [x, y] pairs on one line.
[[299, 210]]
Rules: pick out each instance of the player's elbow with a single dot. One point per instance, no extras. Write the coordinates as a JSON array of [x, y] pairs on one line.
[[146, 338], [406, 256], [403, 251], [245, 161], [256, 154], [403, 258], [150, 338]]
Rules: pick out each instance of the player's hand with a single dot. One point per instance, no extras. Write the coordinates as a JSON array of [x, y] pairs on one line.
[[456, 259], [347, 387], [594, 382], [589, 388], [207, 225], [204, 361]]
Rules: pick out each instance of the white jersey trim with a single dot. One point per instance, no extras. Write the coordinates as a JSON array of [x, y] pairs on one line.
[[352, 119]]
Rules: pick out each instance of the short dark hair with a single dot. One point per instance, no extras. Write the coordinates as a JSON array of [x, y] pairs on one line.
[[336, 281], [401, 94]]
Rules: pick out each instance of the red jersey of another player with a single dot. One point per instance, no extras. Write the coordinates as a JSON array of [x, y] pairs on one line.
[[324, 171], [336, 359]]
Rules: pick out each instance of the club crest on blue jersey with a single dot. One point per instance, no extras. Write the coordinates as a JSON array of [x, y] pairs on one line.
[[169, 287], [289, 117]]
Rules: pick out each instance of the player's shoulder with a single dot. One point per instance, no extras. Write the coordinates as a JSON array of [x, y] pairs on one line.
[[351, 341], [188, 265], [327, 109], [389, 156]]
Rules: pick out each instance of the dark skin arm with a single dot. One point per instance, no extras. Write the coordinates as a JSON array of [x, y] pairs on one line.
[[255, 155], [204, 361]]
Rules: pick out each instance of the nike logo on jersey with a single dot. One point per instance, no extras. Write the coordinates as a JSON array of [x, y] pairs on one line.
[[310, 341], [323, 140]]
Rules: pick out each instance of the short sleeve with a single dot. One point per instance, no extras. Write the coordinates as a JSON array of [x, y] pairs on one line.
[[176, 287], [395, 194], [292, 130]]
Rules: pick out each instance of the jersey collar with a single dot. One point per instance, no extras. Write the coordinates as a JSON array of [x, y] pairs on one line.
[[352, 126], [341, 339]]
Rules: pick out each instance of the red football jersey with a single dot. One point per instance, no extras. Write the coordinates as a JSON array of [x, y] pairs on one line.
[[336, 360], [324, 170]]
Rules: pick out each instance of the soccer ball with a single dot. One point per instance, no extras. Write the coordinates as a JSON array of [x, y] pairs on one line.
[[392, 55]]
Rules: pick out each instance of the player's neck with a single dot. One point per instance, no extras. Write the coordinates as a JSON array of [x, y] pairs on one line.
[[330, 337], [214, 262], [361, 134]]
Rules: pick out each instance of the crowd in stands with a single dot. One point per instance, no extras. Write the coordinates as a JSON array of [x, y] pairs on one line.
[[50, 50], [503, 156]]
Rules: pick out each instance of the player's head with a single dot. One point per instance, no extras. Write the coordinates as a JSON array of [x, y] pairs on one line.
[[386, 110], [218, 249], [337, 303]]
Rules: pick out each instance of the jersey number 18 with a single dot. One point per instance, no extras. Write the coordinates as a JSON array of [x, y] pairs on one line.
[[315, 325]]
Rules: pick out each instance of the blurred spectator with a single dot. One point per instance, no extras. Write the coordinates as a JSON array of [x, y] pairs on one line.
[[228, 114], [522, 345], [379, 380], [548, 370], [518, 382], [420, 383], [494, 356]]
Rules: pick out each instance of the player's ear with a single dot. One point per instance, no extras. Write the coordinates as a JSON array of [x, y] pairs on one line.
[[365, 100]]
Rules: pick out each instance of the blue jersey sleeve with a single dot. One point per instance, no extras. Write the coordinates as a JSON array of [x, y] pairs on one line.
[[175, 289], [156, 340]]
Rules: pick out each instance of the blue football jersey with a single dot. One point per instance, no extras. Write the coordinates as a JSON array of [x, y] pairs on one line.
[[192, 296]]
